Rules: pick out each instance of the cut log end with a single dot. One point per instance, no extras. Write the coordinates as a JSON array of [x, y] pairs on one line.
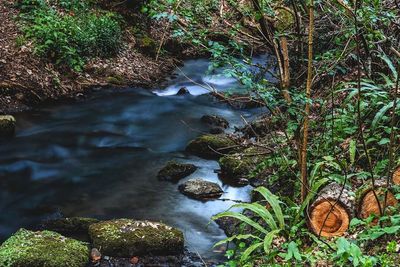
[[396, 176], [369, 203], [328, 219]]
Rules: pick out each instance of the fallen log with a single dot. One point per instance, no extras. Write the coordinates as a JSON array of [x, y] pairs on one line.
[[371, 201], [330, 214]]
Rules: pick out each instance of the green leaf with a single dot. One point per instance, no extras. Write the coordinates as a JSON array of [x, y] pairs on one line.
[[261, 211], [236, 237], [274, 202], [293, 252], [242, 218], [352, 151], [268, 240], [380, 114], [246, 254]]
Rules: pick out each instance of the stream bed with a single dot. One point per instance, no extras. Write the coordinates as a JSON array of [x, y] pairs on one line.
[[100, 157]]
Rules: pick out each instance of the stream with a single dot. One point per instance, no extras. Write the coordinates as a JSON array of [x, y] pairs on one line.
[[100, 157]]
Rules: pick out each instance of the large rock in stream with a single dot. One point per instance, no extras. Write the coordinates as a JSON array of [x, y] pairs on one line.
[[7, 126], [238, 167], [45, 248], [211, 146], [69, 226], [174, 171], [127, 238], [201, 189]]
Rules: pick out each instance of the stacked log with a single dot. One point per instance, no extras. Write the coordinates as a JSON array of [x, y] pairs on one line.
[[331, 213], [396, 176], [374, 201]]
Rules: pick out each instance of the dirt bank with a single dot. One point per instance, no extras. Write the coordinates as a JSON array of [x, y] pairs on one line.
[[27, 80]]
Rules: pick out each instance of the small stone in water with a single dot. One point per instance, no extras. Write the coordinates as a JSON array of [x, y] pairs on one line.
[[134, 260], [95, 255]]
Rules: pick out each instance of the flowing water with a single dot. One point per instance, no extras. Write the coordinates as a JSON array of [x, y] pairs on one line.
[[99, 158]]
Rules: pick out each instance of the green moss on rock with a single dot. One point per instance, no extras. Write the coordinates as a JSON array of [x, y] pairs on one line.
[[127, 238], [7, 126], [45, 248], [174, 171], [70, 225], [241, 165], [211, 146]]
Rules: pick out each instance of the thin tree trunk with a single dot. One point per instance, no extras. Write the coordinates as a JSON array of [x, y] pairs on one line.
[[303, 163]]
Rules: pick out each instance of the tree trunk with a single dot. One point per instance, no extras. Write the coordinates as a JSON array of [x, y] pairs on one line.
[[331, 213], [303, 158], [367, 203]]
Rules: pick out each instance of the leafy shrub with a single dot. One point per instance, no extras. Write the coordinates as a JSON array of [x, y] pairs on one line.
[[69, 38]]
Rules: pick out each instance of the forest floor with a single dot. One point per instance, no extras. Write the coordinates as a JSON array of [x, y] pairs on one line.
[[27, 80]]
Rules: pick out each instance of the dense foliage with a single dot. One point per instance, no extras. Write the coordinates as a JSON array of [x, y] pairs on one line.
[[68, 32], [353, 127]]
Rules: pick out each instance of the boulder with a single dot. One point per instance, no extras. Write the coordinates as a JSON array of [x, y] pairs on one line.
[[215, 121], [174, 171], [200, 189], [211, 146], [239, 166], [7, 126], [45, 248], [262, 126], [216, 130], [66, 226], [128, 238]]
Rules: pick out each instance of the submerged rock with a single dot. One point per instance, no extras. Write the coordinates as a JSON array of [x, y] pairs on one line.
[[215, 121], [128, 238], [174, 171], [200, 189], [183, 91], [211, 146], [7, 126], [36, 249], [73, 225]]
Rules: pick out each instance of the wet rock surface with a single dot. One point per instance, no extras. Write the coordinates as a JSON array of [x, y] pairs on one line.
[[215, 121], [7, 126], [43, 248], [238, 167], [200, 189], [67, 226], [211, 146], [186, 259], [128, 238], [174, 171]]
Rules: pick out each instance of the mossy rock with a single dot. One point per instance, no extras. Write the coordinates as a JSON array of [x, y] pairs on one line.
[[45, 248], [201, 189], [174, 171], [128, 238], [7, 126], [73, 225], [240, 165], [116, 80], [211, 146]]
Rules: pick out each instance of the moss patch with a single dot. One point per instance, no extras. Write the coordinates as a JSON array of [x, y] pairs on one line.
[[240, 165], [70, 225], [211, 146], [7, 126], [127, 238], [45, 248], [174, 171]]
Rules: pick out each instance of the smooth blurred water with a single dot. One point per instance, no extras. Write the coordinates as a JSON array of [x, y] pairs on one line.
[[99, 158]]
